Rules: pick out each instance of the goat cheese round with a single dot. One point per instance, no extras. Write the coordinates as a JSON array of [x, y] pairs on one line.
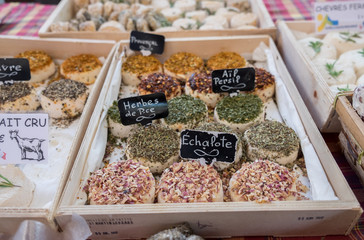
[[272, 140], [64, 98], [19, 97], [187, 182], [123, 182]]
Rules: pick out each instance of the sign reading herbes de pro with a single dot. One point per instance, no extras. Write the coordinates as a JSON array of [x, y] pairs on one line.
[[339, 16], [143, 109]]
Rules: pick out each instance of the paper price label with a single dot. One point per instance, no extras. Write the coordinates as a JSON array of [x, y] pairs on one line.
[[23, 138], [339, 16]]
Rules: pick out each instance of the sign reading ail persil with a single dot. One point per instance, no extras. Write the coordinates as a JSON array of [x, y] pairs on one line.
[[23, 138], [339, 16]]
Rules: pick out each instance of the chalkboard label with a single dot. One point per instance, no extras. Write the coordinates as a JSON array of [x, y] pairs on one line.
[[143, 109], [233, 80], [148, 42], [14, 69], [210, 146]]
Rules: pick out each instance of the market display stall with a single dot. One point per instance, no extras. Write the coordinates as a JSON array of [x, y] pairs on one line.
[[336, 213]]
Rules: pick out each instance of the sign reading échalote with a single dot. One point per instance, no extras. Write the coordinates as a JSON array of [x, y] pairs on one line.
[[207, 145], [23, 138], [339, 16], [143, 109]]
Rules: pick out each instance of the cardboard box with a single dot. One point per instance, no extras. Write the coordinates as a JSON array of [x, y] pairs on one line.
[[312, 86], [60, 49], [286, 218], [352, 135], [65, 11]]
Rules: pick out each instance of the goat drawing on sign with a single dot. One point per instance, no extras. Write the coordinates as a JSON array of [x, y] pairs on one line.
[[28, 145]]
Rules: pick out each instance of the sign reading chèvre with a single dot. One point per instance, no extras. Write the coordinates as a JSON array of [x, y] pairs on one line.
[[14, 69], [207, 145], [143, 109], [233, 80], [23, 138]]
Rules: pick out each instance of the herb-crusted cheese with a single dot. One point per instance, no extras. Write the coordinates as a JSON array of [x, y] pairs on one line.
[[10, 93], [225, 60], [37, 59], [114, 113], [274, 136], [65, 88], [186, 109], [239, 109], [140, 64], [155, 143], [184, 62]]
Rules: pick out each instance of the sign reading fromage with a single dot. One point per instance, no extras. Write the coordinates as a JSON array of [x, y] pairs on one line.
[[339, 16], [14, 69], [23, 138], [141, 41], [233, 80], [143, 109], [209, 146]]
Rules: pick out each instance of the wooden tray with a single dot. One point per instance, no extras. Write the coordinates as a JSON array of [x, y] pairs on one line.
[[289, 218], [313, 88], [352, 135], [65, 11], [11, 217]]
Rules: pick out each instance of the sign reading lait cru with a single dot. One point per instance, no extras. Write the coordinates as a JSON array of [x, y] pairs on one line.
[[143, 109], [23, 138], [209, 146]]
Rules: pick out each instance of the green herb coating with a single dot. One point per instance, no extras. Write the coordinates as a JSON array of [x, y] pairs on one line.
[[186, 109], [273, 136], [155, 143], [114, 113], [240, 108]]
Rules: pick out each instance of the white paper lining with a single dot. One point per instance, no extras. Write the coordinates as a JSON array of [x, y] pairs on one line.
[[321, 189], [320, 186]]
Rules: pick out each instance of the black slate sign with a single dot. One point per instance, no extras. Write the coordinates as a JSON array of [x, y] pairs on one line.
[[146, 41], [143, 109], [218, 146], [14, 69], [232, 80]]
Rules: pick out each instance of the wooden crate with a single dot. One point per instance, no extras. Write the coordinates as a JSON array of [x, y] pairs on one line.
[[288, 218], [313, 88], [352, 135], [11, 217], [65, 11]]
